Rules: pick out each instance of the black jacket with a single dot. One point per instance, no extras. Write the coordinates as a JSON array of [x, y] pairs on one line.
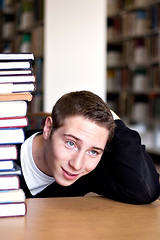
[[125, 173]]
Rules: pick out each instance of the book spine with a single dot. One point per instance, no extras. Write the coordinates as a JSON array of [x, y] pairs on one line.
[[9, 209], [14, 182]]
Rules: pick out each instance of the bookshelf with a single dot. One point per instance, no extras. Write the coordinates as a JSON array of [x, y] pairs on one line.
[[37, 120], [133, 66], [21, 30]]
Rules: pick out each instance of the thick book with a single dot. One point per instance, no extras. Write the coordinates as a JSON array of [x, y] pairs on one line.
[[6, 165], [9, 182], [13, 209], [13, 122], [10, 108], [16, 56], [17, 79], [11, 135], [15, 87], [8, 152], [15, 65], [21, 96], [15, 195]]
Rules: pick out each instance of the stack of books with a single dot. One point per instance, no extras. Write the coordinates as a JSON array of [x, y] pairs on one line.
[[17, 83]]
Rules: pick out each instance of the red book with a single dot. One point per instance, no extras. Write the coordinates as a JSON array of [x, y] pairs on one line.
[[13, 122]]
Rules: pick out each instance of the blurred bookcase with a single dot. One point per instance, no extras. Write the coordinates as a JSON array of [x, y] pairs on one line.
[[133, 66], [36, 120], [21, 30]]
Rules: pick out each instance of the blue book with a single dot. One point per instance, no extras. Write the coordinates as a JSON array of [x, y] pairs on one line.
[[11, 135], [6, 165]]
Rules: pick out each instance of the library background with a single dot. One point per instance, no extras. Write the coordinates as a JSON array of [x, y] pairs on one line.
[[21, 31], [133, 59], [133, 66]]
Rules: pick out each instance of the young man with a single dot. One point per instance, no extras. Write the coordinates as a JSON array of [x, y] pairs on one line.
[[85, 147]]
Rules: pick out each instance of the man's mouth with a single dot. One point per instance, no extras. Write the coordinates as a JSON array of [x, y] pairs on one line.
[[69, 175]]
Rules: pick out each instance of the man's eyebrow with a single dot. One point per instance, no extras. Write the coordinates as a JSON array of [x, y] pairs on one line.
[[98, 148], [70, 135], [78, 139]]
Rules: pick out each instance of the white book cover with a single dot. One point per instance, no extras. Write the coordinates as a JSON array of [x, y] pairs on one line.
[[11, 135], [13, 109]]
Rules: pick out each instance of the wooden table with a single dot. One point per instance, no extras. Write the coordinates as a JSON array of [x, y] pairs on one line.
[[83, 218]]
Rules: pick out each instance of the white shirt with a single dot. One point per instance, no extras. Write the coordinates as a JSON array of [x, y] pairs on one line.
[[35, 179]]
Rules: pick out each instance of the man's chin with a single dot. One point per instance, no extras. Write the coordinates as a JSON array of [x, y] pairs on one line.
[[65, 183]]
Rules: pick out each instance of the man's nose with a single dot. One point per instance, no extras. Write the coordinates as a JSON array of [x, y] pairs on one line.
[[76, 162]]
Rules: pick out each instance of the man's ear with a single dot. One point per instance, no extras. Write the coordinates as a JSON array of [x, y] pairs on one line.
[[47, 128]]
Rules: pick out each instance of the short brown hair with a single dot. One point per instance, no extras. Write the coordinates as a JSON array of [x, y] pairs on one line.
[[85, 104]]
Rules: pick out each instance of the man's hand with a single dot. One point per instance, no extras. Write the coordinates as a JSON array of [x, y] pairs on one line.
[[115, 116]]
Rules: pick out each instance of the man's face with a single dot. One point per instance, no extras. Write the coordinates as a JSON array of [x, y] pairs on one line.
[[74, 149]]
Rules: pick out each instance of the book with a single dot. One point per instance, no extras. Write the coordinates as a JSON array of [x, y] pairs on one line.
[[16, 56], [8, 152], [16, 72], [13, 209], [6, 165], [15, 195], [14, 87], [13, 122], [9, 182], [13, 109], [17, 79], [21, 96], [15, 171], [11, 135], [15, 65]]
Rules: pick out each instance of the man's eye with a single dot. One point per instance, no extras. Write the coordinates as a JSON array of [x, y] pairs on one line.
[[70, 144], [93, 153]]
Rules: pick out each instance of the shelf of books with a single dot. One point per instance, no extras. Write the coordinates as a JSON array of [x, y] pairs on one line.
[[21, 31], [133, 66], [17, 85]]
